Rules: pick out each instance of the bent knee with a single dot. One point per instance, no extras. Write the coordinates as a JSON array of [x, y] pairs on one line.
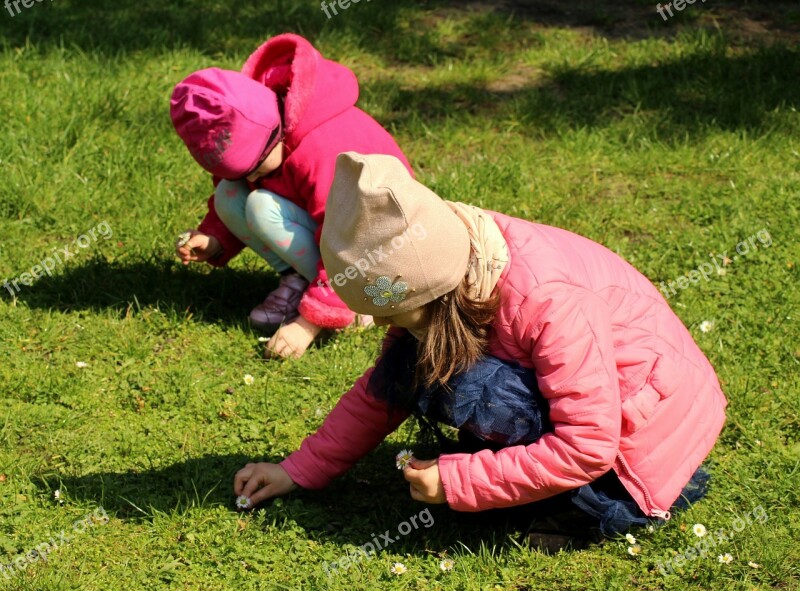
[[229, 197], [265, 205]]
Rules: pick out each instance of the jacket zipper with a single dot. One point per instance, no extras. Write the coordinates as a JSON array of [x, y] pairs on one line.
[[665, 515]]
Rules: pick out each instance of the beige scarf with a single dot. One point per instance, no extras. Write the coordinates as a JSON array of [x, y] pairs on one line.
[[489, 249]]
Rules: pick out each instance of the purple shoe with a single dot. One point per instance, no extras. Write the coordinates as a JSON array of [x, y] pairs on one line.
[[280, 306]]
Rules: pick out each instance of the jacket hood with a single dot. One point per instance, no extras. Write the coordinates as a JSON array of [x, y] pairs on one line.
[[313, 88]]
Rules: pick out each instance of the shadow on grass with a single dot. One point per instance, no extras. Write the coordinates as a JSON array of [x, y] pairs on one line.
[[702, 92], [379, 25], [708, 87], [370, 499], [223, 295]]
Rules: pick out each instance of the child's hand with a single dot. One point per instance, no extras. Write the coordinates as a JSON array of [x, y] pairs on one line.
[[199, 247], [426, 482], [262, 481], [292, 340]]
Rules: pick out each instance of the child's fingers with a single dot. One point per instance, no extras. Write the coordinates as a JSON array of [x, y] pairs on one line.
[[418, 464], [253, 485], [242, 477], [411, 475], [262, 495], [416, 494]]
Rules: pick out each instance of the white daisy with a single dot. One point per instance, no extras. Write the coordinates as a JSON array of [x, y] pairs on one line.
[[404, 458], [249, 380], [630, 538], [398, 568], [635, 550], [699, 530], [725, 558], [57, 496], [243, 503], [263, 339], [650, 529], [81, 364], [706, 326], [447, 564], [183, 238]]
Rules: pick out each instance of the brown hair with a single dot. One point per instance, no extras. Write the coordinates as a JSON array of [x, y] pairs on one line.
[[457, 335]]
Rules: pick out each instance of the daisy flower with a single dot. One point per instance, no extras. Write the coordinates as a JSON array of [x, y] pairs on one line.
[[706, 326], [725, 558], [650, 529], [243, 503], [249, 380], [81, 364], [447, 564], [630, 538], [263, 339], [635, 550], [699, 530], [404, 458], [398, 568], [57, 496]]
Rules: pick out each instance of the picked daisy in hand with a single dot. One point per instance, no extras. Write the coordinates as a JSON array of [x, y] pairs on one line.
[[447, 564], [398, 568], [183, 239], [243, 503], [404, 458]]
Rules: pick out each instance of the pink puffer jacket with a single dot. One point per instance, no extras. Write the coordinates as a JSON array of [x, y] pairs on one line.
[[628, 388]]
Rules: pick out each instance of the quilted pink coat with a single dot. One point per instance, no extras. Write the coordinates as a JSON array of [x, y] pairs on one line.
[[628, 388]]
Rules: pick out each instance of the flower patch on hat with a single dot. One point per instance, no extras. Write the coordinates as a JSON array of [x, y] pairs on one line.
[[384, 291]]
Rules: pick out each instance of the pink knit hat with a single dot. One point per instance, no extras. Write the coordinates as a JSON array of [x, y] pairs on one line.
[[226, 119]]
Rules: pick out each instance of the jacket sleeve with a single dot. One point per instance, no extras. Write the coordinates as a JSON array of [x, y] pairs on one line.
[[213, 226], [567, 332], [355, 426]]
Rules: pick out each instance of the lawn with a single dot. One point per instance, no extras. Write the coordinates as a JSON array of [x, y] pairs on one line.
[[675, 143]]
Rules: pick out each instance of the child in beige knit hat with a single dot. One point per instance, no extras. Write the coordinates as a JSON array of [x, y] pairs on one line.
[[633, 406]]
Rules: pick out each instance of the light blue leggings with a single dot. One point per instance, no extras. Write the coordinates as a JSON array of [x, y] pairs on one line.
[[278, 231]]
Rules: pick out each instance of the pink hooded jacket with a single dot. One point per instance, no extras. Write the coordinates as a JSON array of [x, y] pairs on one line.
[[320, 121], [628, 388]]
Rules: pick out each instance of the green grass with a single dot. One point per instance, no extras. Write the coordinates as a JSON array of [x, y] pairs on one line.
[[666, 142]]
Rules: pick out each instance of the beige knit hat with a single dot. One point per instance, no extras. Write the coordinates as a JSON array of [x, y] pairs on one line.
[[389, 243]]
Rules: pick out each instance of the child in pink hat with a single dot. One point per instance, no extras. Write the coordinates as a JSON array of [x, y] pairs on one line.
[[270, 135]]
